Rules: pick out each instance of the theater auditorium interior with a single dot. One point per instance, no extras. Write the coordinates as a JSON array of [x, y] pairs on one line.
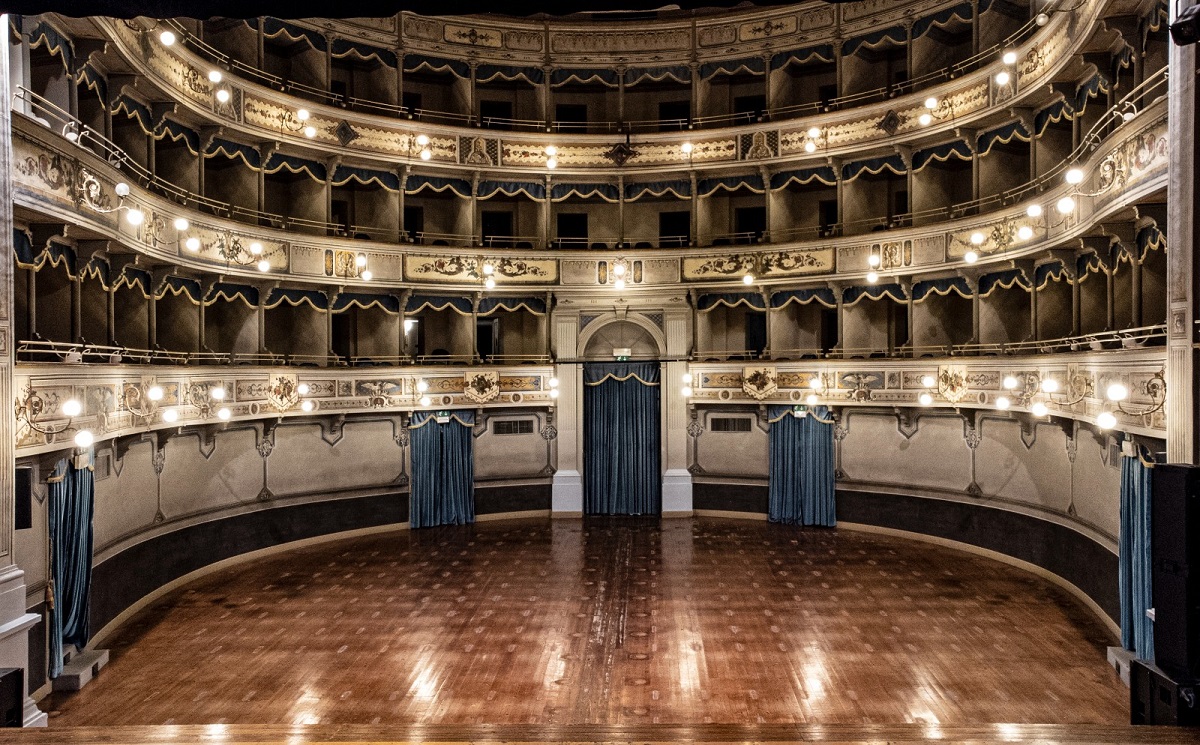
[[599, 371]]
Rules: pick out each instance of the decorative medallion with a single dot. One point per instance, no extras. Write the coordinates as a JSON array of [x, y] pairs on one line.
[[345, 133], [952, 382], [890, 122], [284, 392], [481, 387], [621, 153], [759, 382]]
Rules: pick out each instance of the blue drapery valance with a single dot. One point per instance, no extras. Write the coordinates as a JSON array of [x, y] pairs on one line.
[[1051, 271], [852, 295], [923, 289], [443, 464], [134, 109], [135, 278], [418, 303], [71, 503], [989, 283], [23, 248], [752, 65], [711, 300], [678, 73], [182, 286], [295, 164], [941, 18], [955, 149], [419, 62], [621, 439], [1002, 135], [607, 192], [531, 189], [490, 305], [872, 166], [825, 174], [1134, 573], [294, 296], [229, 149], [822, 52], [56, 43], [822, 295], [680, 188], [893, 35], [176, 132], [91, 79], [339, 48], [1055, 112], [1150, 238], [1088, 263], [98, 268], [800, 480], [417, 183], [347, 300], [509, 73], [273, 28], [230, 291], [587, 75], [709, 186], [1094, 86], [53, 253], [345, 174]]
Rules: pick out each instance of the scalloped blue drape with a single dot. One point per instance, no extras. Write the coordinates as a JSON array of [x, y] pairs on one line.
[[443, 466], [1134, 575], [800, 482], [69, 512], [621, 439]]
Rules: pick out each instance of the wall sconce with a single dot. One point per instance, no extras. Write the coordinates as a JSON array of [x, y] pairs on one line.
[[32, 405], [818, 388], [936, 108], [815, 138], [297, 122], [686, 391], [1118, 394], [231, 250], [141, 400]]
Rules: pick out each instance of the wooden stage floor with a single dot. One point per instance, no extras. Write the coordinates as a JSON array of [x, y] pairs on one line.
[[613, 623]]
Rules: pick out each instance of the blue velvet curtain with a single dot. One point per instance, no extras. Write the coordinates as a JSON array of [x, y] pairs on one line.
[[621, 439], [443, 471], [69, 510], [800, 480], [1137, 631]]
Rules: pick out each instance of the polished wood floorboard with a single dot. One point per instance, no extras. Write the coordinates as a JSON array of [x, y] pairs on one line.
[[616, 623]]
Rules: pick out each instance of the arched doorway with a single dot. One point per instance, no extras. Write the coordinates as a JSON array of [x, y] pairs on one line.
[[604, 342]]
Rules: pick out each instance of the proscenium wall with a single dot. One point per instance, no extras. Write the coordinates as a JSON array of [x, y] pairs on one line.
[[167, 507]]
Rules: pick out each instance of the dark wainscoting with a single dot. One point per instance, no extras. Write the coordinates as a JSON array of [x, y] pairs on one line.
[[490, 500], [1056, 548], [127, 577]]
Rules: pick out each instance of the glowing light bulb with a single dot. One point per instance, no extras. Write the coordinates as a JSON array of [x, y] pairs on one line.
[[872, 277], [686, 391], [748, 279], [552, 163], [217, 394], [811, 399], [1074, 176], [873, 260], [167, 38], [311, 132], [687, 378], [122, 189], [553, 382], [306, 406], [488, 269], [551, 150], [224, 413], [1003, 78], [170, 415], [971, 257], [686, 147], [422, 140], [367, 275], [1010, 383], [1039, 409], [425, 400], [977, 239], [360, 261], [71, 407], [928, 381], [422, 386], [931, 103], [814, 133], [192, 244], [181, 223], [1050, 385], [264, 266], [223, 95], [925, 399], [426, 154], [1024, 232], [1034, 210], [814, 382], [135, 216], [1106, 420], [925, 120], [1117, 392], [303, 389], [553, 393], [155, 393], [215, 76], [810, 147], [489, 283], [1042, 19], [1009, 58], [619, 284], [1002, 402], [1065, 206], [84, 438], [256, 248], [303, 115], [619, 270]]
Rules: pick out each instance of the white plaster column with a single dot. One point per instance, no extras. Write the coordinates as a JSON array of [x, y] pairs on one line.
[[677, 481], [566, 498], [14, 621]]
